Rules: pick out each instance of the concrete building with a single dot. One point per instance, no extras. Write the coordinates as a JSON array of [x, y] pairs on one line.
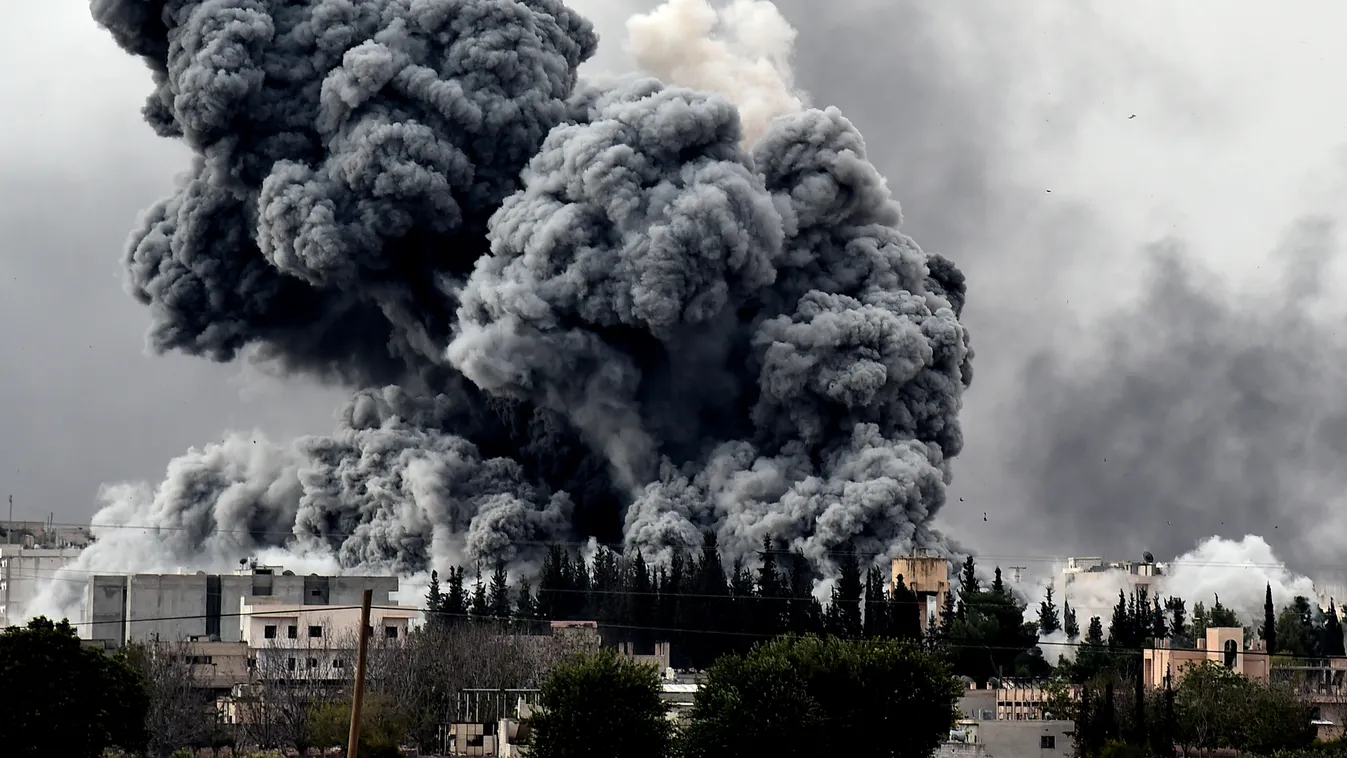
[[1223, 645], [23, 570], [119, 608], [317, 641], [928, 576], [982, 733], [1141, 574], [31, 534]]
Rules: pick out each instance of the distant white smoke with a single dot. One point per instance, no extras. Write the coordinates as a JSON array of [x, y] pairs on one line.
[[748, 62], [1238, 571]]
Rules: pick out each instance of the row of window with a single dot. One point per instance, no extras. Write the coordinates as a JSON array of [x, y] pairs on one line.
[[316, 632]]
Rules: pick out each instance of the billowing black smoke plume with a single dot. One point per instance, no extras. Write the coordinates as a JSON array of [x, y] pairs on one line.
[[566, 311], [1205, 410]]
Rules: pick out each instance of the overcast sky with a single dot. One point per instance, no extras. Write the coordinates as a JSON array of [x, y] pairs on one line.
[[1042, 148]]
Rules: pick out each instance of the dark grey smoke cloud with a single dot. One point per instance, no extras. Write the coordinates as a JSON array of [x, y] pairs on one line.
[[566, 312], [1204, 409]]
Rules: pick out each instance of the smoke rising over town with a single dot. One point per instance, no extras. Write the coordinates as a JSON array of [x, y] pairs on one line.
[[566, 310]]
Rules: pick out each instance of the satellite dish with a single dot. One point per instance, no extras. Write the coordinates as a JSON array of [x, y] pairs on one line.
[[1148, 557], [243, 561]]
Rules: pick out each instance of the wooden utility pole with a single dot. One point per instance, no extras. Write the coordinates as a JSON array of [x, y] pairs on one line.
[[358, 699]]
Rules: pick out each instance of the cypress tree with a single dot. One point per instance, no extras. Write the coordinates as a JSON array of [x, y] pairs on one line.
[[434, 602], [1069, 623], [998, 587], [1159, 629], [1269, 622], [1048, 620], [968, 580], [848, 595], [456, 600], [1333, 641], [500, 592], [480, 607], [905, 612], [771, 611]]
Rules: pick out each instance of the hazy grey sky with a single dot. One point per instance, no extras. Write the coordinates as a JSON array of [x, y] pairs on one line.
[[1007, 133]]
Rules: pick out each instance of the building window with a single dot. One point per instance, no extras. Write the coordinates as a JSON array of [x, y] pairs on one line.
[[1047, 742], [290, 663], [269, 631], [313, 663], [315, 631], [1231, 654], [292, 632], [338, 663], [391, 632]]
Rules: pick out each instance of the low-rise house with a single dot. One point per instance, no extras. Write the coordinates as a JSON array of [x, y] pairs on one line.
[[1222, 644]]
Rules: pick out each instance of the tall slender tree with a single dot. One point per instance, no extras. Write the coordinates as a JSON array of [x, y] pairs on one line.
[[1269, 622], [848, 595], [456, 599], [1048, 620], [1069, 623], [1333, 640], [771, 615]]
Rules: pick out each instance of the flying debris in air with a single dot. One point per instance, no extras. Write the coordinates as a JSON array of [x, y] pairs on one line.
[[564, 310]]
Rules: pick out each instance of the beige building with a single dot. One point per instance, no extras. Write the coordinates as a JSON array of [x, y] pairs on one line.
[[928, 576], [985, 731], [1223, 645]]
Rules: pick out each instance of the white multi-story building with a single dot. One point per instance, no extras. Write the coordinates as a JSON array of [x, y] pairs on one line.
[[23, 570], [286, 640], [169, 607]]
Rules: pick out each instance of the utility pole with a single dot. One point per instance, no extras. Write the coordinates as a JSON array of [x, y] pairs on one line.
[[9, 532], [1017, 570], [358, 699]]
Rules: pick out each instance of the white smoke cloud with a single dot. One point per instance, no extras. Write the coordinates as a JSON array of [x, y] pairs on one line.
[[741, 51], [1238, 571]]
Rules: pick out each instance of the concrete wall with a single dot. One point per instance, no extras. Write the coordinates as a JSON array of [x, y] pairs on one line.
[[22, 572], [172, 607], [1024, 739]]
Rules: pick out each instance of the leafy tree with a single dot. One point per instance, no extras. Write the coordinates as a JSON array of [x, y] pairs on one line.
[[601, 706], [381, 731], [1048, 620], [58, 697], [810, 696], [990, 638], [1269, 622], [1297, 633]]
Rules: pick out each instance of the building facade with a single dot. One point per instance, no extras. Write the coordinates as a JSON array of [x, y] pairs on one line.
[[928, 576], [23, 571], [1223, 645], [143, 607]]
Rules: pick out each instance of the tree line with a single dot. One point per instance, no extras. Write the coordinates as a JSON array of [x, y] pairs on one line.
[[696, 603]]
